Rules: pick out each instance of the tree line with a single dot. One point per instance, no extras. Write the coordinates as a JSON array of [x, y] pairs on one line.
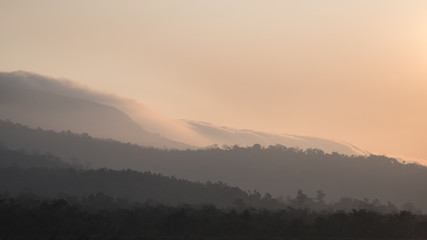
[[33, 218]]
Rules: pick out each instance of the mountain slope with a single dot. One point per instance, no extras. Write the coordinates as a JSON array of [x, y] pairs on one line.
[[49, 103], [31, 103]]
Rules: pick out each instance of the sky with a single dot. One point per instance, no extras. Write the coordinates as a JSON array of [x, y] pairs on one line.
[[351, 70]]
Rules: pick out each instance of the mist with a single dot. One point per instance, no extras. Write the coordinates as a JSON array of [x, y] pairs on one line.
[[67, 105], [202, 119]]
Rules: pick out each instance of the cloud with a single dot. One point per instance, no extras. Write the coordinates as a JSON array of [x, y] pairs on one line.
[[187, 131]]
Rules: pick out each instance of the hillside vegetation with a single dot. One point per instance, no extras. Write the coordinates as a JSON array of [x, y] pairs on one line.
[[278, 170]]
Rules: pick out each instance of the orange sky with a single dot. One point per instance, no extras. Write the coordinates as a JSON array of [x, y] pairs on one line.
[[348, 70]]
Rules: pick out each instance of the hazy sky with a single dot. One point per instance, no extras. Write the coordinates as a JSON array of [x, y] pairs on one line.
[[351, 70]]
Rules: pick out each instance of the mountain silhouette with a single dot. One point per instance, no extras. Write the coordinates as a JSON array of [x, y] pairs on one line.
[[276, 169], [39, 101]]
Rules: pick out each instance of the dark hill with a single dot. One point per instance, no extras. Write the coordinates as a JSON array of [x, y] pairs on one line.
[[276, 169], [47, 176]]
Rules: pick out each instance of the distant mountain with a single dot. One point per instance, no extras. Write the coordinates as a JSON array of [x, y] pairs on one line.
[[275, 169], [39, 101]]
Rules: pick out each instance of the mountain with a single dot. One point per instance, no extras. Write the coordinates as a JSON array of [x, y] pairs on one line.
[[278, 170], [39, 101]]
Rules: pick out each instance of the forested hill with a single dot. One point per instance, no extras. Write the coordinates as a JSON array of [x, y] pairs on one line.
[[45, 175], [276, 169], [21, 159]]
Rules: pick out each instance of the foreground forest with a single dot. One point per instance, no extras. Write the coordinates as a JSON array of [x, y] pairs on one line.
[[32, 218], [278, 170]]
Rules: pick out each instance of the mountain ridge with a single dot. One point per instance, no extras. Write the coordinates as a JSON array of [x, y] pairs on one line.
[[276, 169], [160, 130]]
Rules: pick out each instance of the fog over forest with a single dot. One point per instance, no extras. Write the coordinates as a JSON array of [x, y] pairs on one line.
[[85, 152], [213, 120], [98, 130]]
